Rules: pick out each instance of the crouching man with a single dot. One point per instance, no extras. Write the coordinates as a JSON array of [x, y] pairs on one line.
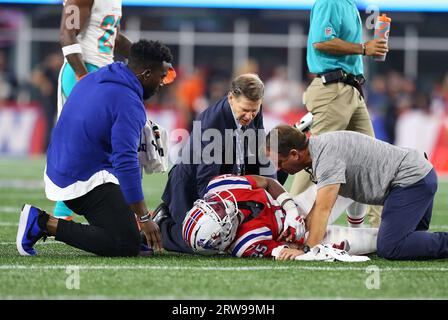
[[368, 171]]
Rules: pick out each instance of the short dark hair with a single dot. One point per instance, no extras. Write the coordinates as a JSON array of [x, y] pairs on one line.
[[248, 85], [288, 137], [148, 54]]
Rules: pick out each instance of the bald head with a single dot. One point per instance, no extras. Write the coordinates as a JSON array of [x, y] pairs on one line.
[[249, 85]]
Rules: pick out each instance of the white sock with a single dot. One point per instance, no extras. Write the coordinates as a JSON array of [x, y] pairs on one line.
[[355, 214]]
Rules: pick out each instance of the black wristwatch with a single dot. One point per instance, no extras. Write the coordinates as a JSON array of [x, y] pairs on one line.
[[306, 248]]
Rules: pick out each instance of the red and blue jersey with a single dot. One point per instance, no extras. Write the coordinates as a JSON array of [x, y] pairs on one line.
[[263, 217]]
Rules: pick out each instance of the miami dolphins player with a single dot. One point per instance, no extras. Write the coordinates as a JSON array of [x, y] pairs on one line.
[[90, 37]]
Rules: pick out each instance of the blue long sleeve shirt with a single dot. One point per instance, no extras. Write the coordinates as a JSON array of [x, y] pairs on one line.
[[99, 129]]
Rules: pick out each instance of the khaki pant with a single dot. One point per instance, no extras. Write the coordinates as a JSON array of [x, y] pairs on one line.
[[336, 106]]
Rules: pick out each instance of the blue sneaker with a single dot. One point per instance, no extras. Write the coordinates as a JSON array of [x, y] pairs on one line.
[[29, 231]]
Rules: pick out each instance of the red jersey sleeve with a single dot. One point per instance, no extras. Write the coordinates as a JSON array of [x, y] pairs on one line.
[[251, 181]]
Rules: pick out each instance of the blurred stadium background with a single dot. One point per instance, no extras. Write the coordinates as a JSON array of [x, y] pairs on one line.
[[212, 41]]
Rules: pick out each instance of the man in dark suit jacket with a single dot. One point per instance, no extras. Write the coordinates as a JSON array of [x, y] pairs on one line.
[[239, 114]]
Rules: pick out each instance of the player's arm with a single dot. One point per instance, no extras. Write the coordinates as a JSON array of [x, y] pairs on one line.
[[125, 137], [75, 15], [294, 227], [272, 186], [122, 44]]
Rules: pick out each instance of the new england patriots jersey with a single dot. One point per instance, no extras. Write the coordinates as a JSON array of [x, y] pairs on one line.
[[263, 217]]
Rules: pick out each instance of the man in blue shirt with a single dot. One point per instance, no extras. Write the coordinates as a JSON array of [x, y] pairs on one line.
[[335, 97], [92, 162]]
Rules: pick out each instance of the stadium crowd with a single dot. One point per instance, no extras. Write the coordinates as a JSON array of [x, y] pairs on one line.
[[394, 101]]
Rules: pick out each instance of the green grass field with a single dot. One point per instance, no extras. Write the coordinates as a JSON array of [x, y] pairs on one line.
[[177, 276]]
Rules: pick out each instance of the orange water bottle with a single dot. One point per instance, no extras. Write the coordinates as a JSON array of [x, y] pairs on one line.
[[382, 28]]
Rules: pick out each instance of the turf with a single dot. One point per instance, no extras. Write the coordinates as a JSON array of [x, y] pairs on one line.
[[177, 276]]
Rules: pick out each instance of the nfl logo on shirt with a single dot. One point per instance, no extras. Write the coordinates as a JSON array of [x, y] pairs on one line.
[[328, 31]]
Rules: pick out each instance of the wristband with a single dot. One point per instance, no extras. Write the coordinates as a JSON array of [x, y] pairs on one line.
[[287, 203], [73, 48], [284, 197], [363, 49]]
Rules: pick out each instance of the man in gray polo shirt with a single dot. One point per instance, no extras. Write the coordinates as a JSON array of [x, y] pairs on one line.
[[369, 171]]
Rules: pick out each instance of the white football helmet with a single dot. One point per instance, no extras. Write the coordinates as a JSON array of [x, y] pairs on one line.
[[210, 226]]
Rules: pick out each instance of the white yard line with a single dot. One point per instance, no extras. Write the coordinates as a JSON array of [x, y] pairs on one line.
[[9, 224], [10, 243], [177, 268], [118, 297], [16, 224], [231, 299], [26, 195], [22, 184], [444, 227], [6, 209]]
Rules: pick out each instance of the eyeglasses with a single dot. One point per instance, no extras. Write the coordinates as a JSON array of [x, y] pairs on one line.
[[310, 171], [170, 76]]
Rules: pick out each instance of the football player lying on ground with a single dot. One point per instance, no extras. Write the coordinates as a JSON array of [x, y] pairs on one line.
[[250, 216]]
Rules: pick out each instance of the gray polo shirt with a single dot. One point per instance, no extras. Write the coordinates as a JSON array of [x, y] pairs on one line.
[[366, 168]]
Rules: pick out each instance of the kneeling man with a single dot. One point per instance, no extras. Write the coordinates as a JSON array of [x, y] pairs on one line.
[[368, 171]]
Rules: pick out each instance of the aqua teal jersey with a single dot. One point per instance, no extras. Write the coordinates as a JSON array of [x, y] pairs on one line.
[[334, 19]]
